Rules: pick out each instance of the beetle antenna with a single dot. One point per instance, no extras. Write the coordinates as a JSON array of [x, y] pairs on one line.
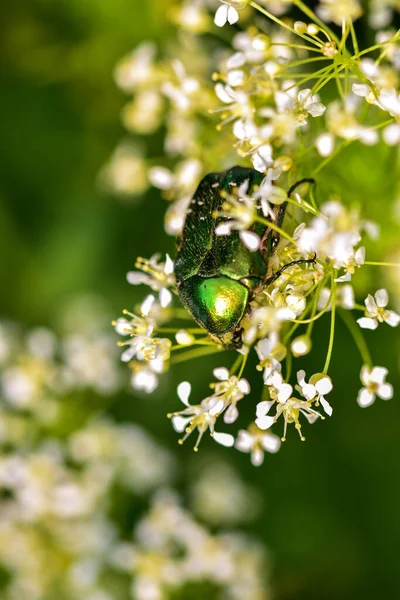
[[303, 261], [300, 182]]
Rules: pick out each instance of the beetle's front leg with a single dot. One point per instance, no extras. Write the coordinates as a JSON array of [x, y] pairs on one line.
[[303, 261]]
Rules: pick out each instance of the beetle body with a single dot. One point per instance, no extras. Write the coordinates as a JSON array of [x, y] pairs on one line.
[[216, 274]]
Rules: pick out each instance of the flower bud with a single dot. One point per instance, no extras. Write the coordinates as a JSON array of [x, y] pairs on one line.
[[300, 27], [312, 29], [301, 345], [261, 43]]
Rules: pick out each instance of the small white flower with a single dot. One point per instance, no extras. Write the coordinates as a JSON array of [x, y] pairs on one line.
[[376, 311], [158, 276], [228, 12], [279, 390], [325, 144], [241, 211], [192, 417], [351, 264], [257, 442], [318, 386], [310, 104], [301, 345], [270, 351], [147, 348], [227, 393], [339, 11], [144, 377], [225, 439], [374, 385]]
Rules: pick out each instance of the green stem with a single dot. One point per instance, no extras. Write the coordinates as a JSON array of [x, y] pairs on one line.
[[357, 336], [354, 38], [311, 15], [310, 76], [278, 21], [176, 329], [244, 361], [236, 364], [377, 46], [328, 159], [332, 331], [314, 308], [195, 353], [298, 63], [381, 264], [202, 342], [288, 365], [297, 46], [282, 232]]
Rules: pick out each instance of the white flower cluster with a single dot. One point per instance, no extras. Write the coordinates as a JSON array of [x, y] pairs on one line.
[[59, 511], [260, 95], [171, 549], [304, 286]]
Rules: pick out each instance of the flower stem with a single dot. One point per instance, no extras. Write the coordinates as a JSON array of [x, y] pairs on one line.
[[282, 232], [357, 336], [279, 22], [288, 365], [332, 332], [311, 15], [244, 361], [195, 353], [381, 264]]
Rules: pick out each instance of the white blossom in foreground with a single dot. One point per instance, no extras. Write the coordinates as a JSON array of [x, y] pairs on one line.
[[193, 417], [159, 276], [339, 11], [228, 12], [376, 311], [240, 210], [228, 391], [257, 442], [319, 385], [374, 384]]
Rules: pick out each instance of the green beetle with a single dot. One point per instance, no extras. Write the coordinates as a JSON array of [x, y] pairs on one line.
[[217, 275]]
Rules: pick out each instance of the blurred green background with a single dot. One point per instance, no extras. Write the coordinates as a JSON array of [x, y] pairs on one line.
[[331, 518]]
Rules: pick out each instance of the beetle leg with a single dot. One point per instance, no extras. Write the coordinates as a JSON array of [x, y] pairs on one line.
[[300, 182], [303, 261]]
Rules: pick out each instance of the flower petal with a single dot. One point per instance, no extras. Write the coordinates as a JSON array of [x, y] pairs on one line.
[[324, 385], [365, 398], [180, 423], [257, 457], [263, 407], [385, 391], [221, 373], [183, 391], [221, 16], [225, 439], [326, 406], [366, 323], [233, 15], [382, 298], [392, 318], [165, 297], [244, 386], [271, 442], [265, 422], [231, 414], [250, 239]]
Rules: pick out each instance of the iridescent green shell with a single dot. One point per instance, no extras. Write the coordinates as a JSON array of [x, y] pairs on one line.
[[215, 274]]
